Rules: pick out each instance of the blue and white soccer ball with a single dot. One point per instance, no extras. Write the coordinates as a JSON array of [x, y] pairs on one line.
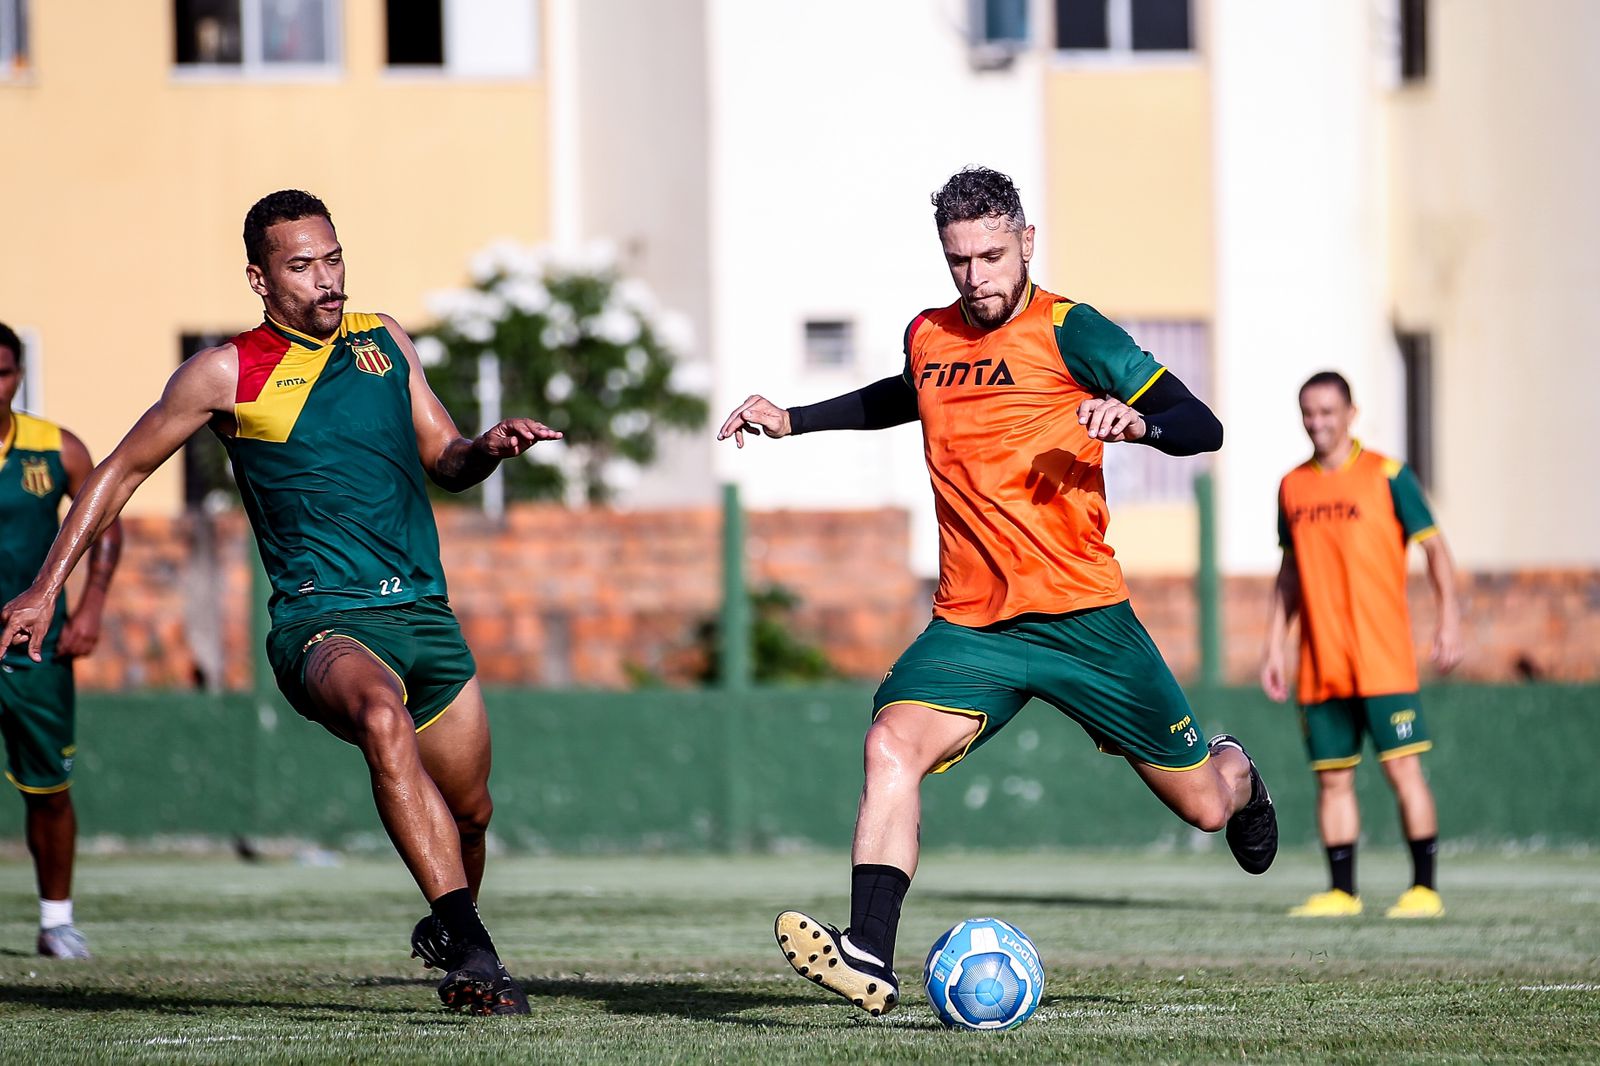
[[984, 974]]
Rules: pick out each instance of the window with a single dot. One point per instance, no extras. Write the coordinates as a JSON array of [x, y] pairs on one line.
[[1143, 475], [30, 393], [1123, 26], [255, 35], [465, 38], [1413, 40], [13, 38], [1416, 361], [206, 476], [415, 32], [830, 343]]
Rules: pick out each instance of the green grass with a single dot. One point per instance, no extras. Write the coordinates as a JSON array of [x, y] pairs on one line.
[[1150, 958]]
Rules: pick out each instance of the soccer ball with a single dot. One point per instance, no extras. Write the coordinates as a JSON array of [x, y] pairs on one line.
[[983, 974]]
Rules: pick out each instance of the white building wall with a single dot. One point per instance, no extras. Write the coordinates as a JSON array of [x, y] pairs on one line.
[[831, 124], [1300, 244]]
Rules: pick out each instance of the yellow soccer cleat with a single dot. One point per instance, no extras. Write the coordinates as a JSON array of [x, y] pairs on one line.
[[1417, 902], [1334, 903]]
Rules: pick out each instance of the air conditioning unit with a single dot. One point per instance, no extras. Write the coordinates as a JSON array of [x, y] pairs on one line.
[[997, 31]]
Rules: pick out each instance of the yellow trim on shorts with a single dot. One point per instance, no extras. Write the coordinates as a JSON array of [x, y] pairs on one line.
[[981, 716], [1146, 762], [405, 697], [1410, 749], [30, 790], [1335, 764], [442, 712]]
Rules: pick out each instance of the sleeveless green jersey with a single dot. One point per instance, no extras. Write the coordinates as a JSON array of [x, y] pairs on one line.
[[325, 455], [32, 482]]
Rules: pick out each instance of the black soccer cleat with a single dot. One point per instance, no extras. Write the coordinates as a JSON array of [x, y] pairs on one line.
[[823, 955], [431, 943], [481, 985], [1252, 832]]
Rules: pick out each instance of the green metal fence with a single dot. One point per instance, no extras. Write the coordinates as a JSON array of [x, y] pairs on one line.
[[769, 768]]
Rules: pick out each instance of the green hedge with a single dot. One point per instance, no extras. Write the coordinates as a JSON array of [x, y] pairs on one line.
[[768, 768]]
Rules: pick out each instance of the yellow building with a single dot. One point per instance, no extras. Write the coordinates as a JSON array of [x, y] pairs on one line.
[[137, 134]]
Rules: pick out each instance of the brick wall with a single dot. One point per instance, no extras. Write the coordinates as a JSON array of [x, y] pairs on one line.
[[605, 598]]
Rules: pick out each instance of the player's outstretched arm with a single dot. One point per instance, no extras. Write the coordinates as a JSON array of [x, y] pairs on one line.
[[880, 405], [451, 460], [1447, 644], [201, 388], [1285, 605], [82, 631]]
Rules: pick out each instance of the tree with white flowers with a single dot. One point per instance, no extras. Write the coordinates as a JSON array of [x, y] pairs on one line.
[[580, 348]]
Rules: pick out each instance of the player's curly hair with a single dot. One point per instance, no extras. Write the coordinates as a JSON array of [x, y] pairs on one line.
[[1329, 377], [285, 205], [978, 192], [9, 339]]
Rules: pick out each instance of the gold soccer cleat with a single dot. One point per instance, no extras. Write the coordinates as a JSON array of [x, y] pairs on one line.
[[1417, 902], [821, 954], [1334, 903]]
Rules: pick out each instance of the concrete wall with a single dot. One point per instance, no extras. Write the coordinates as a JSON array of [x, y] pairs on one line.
[[1493, 252]]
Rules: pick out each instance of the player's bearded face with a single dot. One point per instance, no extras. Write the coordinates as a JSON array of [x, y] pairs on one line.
[[988, 261], [302, 283]]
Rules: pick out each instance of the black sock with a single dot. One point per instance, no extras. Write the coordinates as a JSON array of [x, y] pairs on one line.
[[1342, 865], [459, 916], [1422, 855], [876, 893]]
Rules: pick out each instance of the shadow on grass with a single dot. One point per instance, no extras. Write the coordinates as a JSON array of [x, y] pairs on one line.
[[174, 1002], [691, 1000], [997, 899]]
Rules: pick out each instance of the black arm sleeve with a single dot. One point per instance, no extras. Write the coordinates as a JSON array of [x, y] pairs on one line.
[[1176, 421], [890, 402]]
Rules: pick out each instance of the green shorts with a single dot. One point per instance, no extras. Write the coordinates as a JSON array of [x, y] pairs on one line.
[[1333, 729], [419, 642], [1099, 667], [36, 719]]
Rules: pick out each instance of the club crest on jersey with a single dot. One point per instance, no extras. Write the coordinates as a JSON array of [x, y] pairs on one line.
[[36, 479], [370, 358]]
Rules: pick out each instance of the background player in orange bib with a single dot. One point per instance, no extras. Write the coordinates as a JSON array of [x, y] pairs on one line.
[[1018, 392], [1345, 519]]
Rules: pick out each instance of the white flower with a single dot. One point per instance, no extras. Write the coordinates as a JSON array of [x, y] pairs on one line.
[[636, 296], [638, 361], [675, 331], [692, 378], [617, 379], [558, 388], [526, 294], [613, 325], [627, 423], [430, 350]]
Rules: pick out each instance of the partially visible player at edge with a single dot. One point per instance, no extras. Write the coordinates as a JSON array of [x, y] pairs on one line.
[[330, 426], [1018, 391], [1345, 519], [39, 463]]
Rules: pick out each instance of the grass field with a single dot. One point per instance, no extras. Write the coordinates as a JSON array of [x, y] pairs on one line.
[[1151, 958]]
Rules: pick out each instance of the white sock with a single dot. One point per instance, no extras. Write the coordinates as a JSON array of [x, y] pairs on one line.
[[54, 912]]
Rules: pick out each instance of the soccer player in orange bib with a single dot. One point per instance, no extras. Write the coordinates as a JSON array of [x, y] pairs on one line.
[[1018, 392], [1345, 519]]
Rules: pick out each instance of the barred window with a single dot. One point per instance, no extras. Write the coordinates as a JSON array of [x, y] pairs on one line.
[[1138, 474]]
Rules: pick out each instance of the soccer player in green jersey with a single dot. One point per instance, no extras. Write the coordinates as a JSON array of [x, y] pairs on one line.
[[39, 464], [330, 426]]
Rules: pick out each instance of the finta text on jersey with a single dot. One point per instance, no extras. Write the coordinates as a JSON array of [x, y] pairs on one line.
[[982, 372]]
